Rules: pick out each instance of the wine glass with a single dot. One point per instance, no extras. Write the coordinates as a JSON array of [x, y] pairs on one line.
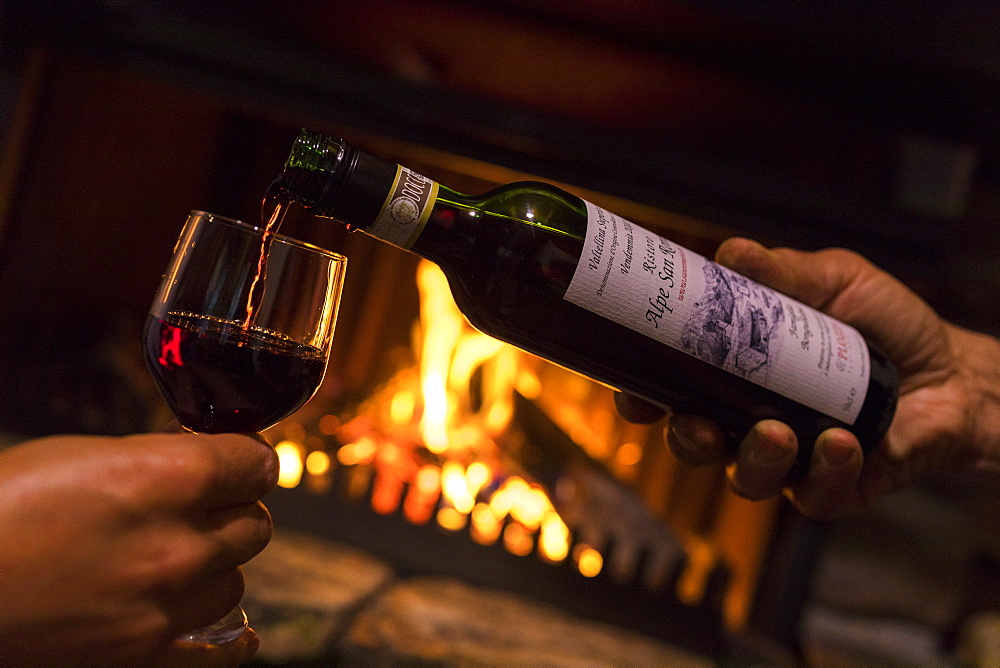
[[239, 334]]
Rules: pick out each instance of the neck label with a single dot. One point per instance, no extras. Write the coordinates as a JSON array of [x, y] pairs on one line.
[[642, 281], [405, 210]]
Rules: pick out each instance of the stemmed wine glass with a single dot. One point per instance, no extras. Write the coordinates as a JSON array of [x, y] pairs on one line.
[[239, 334]]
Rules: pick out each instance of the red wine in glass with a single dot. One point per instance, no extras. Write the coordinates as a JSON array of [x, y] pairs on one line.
[[239, 333], [220, 376]]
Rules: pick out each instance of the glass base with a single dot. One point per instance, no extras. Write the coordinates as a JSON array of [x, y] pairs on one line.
[[227, 629]]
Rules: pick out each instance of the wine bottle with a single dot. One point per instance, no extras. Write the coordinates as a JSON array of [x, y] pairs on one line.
[[533, 265]]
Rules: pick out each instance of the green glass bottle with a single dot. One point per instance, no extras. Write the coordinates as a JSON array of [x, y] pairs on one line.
[[557, 276]]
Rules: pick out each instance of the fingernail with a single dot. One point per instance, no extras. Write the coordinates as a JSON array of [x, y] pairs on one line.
[[767, 451], [770, 442], [836, 453], [684, 442]]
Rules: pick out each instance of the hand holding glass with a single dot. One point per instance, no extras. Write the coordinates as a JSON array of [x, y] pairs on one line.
[[239, 334]]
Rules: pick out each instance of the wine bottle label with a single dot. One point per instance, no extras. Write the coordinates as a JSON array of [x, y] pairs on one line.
[[642, 281], [405, 210]]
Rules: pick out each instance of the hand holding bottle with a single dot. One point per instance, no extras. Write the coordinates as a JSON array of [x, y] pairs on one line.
[[947, 418], [110, 547]]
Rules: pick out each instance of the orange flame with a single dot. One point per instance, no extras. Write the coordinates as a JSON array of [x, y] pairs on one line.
[[442, 409]]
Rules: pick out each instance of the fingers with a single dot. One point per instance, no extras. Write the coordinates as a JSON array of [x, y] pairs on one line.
[[695, 440], [247, 469], [212, 545], [830, 487], [767, 455], [200, 471], [764, 459], [207, 582], [235, 535]]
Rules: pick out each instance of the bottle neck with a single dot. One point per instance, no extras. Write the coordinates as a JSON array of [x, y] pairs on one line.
[[361, 190]]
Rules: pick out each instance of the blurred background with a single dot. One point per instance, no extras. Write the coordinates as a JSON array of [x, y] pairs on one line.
[[873, 126]]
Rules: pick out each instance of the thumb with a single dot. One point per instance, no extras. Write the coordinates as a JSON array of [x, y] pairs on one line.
[[814, 278], [846, 286]]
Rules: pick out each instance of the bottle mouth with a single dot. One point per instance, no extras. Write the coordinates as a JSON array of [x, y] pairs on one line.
[[315, 152], [316, 169]]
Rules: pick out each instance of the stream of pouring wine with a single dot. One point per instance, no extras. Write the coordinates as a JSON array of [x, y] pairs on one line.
[[273, 211]]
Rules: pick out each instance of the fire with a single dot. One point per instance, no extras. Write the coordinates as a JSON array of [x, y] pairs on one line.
[[427, 445], [442, 330], [290, 463], [455, 489], [459, 399], [589, 561], [317, 463]]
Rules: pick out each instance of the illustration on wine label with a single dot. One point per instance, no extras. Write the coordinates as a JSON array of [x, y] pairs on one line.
[[703, 309], [734, 325]]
